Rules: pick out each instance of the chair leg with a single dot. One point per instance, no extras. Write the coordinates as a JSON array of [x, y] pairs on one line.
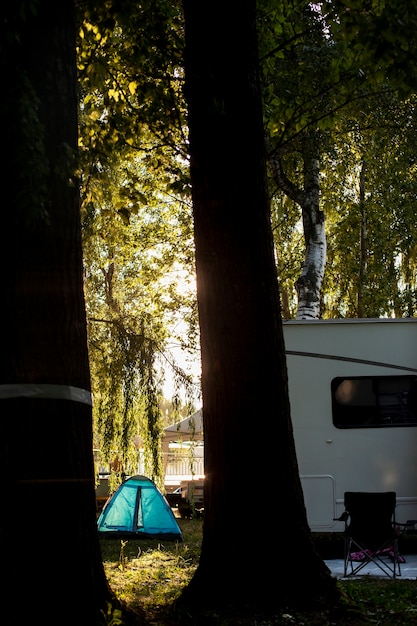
[[378, 558], [397, 566], [348, 545]]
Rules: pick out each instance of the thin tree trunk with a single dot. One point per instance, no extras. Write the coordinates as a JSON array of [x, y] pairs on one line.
[[362, 241], [48, 536], [244, 380], [309, 284]]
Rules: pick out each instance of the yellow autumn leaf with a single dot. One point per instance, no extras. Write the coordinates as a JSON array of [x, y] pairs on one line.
[[114, 94]]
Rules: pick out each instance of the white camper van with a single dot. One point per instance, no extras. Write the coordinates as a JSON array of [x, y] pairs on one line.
[[352, 388]]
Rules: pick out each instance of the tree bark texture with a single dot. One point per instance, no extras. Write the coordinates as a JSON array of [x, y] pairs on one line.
[[362, 241], [48, 534], [252, 522], [310, 282]]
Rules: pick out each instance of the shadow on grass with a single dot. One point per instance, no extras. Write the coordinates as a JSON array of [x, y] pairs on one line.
[[147, 578]]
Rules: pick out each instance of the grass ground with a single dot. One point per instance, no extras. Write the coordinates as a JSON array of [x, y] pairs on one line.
[[148, 576]]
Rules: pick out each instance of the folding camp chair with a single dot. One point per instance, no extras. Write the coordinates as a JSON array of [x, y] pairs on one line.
[[371, 532]]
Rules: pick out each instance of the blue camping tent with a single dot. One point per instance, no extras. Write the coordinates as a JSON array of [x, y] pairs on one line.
[[138, 509]]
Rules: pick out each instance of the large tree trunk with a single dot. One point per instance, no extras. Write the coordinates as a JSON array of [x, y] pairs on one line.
[[253, 522], [53, 572]]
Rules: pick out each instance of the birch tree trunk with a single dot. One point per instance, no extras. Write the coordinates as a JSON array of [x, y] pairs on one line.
[[362, 241], [309, 284]]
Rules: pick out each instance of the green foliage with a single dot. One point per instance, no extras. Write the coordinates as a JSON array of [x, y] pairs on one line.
[[315, 79], [319, 77], [131, 77], [137, 227], [379, 35], [379, 146], [289, 237], [113, 616], [307, 76], [134, 301]]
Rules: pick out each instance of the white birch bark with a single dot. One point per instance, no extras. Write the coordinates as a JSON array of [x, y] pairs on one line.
[[310, 282]]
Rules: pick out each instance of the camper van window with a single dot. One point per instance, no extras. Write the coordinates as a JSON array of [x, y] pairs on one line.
[[374, 401]]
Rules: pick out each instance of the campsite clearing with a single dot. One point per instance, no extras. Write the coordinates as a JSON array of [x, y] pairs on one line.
[[148, 575]]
